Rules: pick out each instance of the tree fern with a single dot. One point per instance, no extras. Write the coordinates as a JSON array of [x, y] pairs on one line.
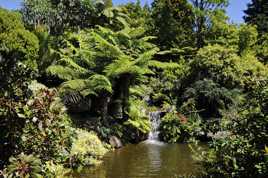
[[63, 72], [94, 85]]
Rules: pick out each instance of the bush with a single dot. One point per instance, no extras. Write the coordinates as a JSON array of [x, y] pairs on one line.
[[243, 153], [172, 130], [24, 166], [47, 131], [86, 149], [137, 126]]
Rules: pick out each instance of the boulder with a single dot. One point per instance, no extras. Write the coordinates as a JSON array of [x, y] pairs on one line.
[[115, 142]]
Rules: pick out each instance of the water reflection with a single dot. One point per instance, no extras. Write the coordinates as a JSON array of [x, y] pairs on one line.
[[145, 160]]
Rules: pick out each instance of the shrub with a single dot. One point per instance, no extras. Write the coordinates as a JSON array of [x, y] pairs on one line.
[[137, 126], [24, 166], [243, 153], [47, 131], [86, 149], [172, 130]]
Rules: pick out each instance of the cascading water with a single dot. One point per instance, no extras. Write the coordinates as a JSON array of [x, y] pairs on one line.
[[155, 119]]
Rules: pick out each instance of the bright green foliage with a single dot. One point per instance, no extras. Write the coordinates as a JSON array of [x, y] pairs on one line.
[[217, 79], [138, 15], [257, 14], [108, 3], [165, 83], [204, 11], [226, 68], [18, 52], [262, 49], [15, 40], [172, 23], [86, 149], [137, 119], [176, 128], [57, 170], [24, 166], [247, 38], [221, 32]]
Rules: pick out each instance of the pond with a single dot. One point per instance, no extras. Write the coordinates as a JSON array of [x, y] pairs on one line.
[[149, 159]]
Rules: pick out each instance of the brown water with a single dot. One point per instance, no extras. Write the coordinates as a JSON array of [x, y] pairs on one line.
[[145, 160]]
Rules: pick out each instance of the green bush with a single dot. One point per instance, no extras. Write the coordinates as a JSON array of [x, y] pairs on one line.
[[243, 153], [137, 126], [86, 149], [24, 166], [47, 131], [172, 130]]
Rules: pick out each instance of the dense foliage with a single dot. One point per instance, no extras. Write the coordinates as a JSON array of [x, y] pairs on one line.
[[76, 73]]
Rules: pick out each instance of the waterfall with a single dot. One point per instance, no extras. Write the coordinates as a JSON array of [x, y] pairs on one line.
[[155, 121]]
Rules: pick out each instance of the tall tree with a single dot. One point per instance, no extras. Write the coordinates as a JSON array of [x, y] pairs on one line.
[[108, 3], [172, 22], [257, 14], [58, 15], [203, 10]]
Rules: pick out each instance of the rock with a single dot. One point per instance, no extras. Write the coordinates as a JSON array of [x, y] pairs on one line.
[[115, 142]]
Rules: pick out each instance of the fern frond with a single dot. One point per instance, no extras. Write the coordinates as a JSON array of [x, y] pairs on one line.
[[145, 57], [75, 85], [163, 65], [70, 62], [100, 83], [65, 73], [94, 85], [120, 66], [105, 46]]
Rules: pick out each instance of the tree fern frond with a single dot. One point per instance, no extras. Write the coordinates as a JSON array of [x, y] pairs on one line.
[[163, 65], [106, 47], [100, 83], [136, 32], [120, 66], [70, 62], [75, 85], [145, 57], [123, 21], [148, 38], [62, 72], [94, 85]]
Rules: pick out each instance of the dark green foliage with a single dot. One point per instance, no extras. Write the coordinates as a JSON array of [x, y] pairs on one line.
[[241, 155], [208, 98], [257, 14]]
